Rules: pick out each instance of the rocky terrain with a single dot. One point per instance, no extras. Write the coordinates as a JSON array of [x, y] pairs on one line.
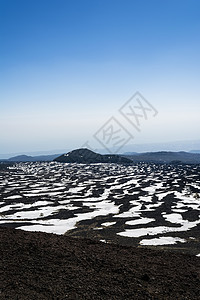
[[122, 231], [37, 265]]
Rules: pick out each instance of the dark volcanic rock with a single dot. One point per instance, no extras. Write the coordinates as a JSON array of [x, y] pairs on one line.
[[5, 165], [46, 266], [86, 156]]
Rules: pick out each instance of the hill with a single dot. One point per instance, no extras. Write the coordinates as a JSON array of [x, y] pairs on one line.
[[166, 157], [195, 151], [27, 158], [86, 156]]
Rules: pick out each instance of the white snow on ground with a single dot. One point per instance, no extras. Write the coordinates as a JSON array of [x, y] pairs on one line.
[[53, 181], [164, 240], [179, 210], [107, 224], [133, 212], [162, 195], [174, 218], [36, 214], [188, 201], [76, 189], [186, 225], [40, 203], [177, 218], [20, 206], [152, 188], [140, 221], [146, 231], [13, 197], [53, 226], [98, 228], [102, 208], [145, 198], [42, 194], [124, 185], [10, 207]]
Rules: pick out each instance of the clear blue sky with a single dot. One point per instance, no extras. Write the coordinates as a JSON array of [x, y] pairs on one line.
[[67, 66]]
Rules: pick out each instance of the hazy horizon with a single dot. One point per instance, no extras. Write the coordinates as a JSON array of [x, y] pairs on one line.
[[68, 67], [175, 146]]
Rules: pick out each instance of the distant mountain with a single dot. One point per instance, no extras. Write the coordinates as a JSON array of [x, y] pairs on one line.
[[4, 156], [86, 156], [173, 146], [130, 153], [166, 157], [21, 158], [27, 158], [195, 151]]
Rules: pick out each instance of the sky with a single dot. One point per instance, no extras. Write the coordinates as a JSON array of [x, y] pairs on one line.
[[68, 67]]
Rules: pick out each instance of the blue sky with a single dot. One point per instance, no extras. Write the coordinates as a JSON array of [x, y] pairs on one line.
[[67, 66]]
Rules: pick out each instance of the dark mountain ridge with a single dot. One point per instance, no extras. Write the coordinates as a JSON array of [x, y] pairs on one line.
[[28, 158], [166, 157], [86, 156], [195, 151]]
